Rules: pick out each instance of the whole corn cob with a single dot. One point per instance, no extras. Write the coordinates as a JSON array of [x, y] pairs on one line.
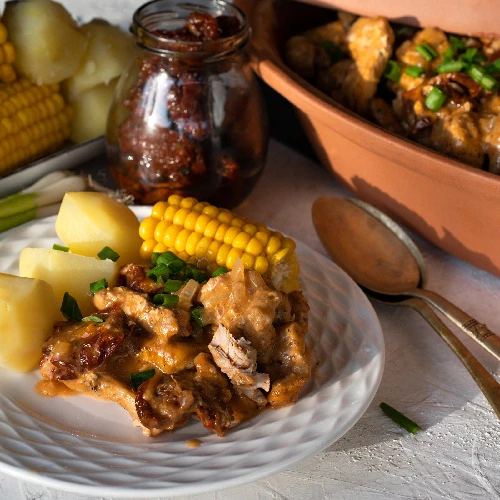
[[7, 57], [34, 121], [209, 237]]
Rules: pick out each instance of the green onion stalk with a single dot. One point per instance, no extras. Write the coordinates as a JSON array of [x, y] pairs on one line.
[[39, 200]]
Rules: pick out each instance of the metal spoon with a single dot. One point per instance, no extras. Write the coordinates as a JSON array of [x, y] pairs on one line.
[[381, 257]]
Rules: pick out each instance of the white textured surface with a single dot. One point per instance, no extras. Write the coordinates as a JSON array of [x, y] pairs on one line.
[[79, 444]]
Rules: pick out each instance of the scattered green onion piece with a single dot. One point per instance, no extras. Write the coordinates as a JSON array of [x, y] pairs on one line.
[[393, 71], [450, 66], [483, 78], [172, 285], [399, 418], [449, 53], [97, 286], [333, 50], [456, 42], [192, 272], [167, 258], [108, 253], [70, 309], [472, 56], [55, 246], [196, 315], [93, 319], [154, 258], [435, 100], [160, 272], [426, 51], [136, 379], [220, 270], [414, 71], [493, 67], [166, 300]]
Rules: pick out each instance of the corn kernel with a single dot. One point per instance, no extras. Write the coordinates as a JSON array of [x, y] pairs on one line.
[[188, 202], [201, 223], [192, 242], [180, 216], [211, 228], [280, 255], [147, 248], [174, 199], [225, 216], [241, 241], [213, 250], [222, 254], [182, 255], [3, 33], [211, 211], [159, 209], [238, 222], [262, 237], [261, 264], [200, 206], [147, 228], [273, 245], [232, 256], [230, 234], [221, 231], [180, 241], [171, 234], [288, 243], [160, 229], [9, 52], [190, 220], [160, 247], [247, 260], [250, 229], [202, 247], [254, 247]]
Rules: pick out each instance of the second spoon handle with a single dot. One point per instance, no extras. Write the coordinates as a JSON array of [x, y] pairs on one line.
[[485, 381], [477, 331]]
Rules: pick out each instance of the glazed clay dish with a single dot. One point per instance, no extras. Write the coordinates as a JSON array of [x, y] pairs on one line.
[[447, 202]]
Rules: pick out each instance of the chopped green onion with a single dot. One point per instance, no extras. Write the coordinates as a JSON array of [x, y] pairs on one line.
[[414, 71], [196, 315], [108, 253], [493, 67], [55, 246], [220, 270], [192, 272], [472, 56], [93, 319], [448, 53], [136, 379], [159, 273], [70, 309], [426, 51], [97, 286], [399, 418], [166, 300], [435, 100], [172, 285], [393, 71], [450, 66], [456, 42], [483, 78], [333, 50]]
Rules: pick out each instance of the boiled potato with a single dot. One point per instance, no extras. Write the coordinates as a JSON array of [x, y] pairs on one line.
[[28, 311], [67, 272], [89, 221], [49, 45], [109, 52], [90, 112]]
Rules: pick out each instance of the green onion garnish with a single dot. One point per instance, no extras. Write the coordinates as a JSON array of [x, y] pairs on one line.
[[172, 285], [333, 50], [55, 246], [483, 78], [154, 257], [449, 53], [435, 100], [166, 300], [192, 272], [93, 319], [450, 66], [456, 42], [159, 273], [136, 379], [414, 71], [108, 253], [70, 309], [196, 315], [493, 67], [393, 71], [97, 286], [426, 51], [220, 270], [399, 418]]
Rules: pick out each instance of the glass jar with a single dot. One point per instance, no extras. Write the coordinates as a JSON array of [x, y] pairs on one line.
[[187, 117]]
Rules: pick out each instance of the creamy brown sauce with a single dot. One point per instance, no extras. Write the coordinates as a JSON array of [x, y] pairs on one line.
[[53, 389], [193, 443]]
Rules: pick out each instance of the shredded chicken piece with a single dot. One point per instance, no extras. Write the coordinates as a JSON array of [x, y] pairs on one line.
[[238, 360], [135, 277]]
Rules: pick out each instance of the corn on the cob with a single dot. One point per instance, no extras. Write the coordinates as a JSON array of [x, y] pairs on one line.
[[210, 237], [34, 121], [7, 57]]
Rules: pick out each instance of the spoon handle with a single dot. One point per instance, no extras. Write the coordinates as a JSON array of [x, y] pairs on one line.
[[485, 381], [477, 331]]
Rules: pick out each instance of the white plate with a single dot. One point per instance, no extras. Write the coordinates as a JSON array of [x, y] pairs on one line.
[[67, 158], [90, 447]]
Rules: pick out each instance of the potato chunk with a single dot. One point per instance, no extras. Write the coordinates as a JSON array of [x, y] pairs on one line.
[[49, 45], [109, 52], [67, 272], [28, 311], [90, 112], [89, 221]]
